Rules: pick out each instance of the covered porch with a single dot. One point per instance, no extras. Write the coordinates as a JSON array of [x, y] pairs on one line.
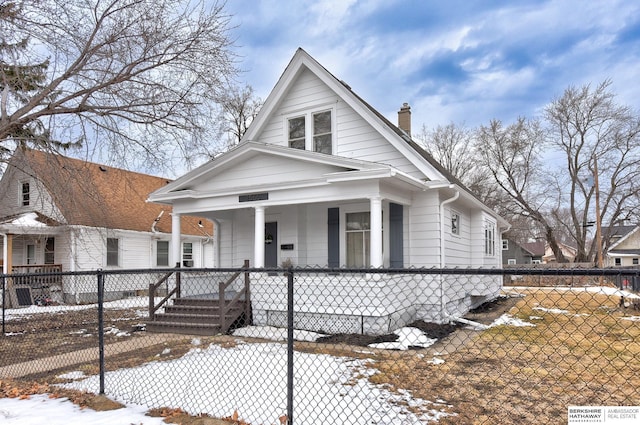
[[29, 248]]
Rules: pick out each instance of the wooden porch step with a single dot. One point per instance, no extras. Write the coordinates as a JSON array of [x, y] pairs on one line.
[[193, 317], [201, 329]]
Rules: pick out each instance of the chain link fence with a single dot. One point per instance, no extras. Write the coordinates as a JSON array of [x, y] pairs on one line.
[[332, 346]]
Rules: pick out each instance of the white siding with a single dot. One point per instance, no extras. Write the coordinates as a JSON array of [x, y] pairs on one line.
[[424, 226], [457, 247], [355, 137], [39, 199], [261, 170]]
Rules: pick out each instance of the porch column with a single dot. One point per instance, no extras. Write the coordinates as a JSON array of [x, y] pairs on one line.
[[258, 244], [376, 232], [176, 251]]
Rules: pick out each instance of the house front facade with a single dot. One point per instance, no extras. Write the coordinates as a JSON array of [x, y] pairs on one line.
[[322, 179], [60, 214]]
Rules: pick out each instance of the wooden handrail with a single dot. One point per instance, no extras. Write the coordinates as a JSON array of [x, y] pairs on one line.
[[224, 306], [152, 292]]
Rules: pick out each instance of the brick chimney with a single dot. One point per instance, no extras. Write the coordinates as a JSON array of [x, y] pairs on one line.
[[404, 118]]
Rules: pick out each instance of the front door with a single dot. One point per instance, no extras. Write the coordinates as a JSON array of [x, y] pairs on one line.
[[271, 244]]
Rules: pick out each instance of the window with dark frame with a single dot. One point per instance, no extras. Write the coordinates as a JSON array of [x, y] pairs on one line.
[[162, 253], [26, 194], [49, 251], [187, 254], [112, 251]]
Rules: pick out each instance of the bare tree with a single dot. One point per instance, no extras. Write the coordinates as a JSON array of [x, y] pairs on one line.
[[598, 141], [453, 146], [593, 132], [139, 77], [239, 107], [530, 192]]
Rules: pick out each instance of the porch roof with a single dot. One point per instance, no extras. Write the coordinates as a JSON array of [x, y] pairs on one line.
[[318, 170], [29, 223]]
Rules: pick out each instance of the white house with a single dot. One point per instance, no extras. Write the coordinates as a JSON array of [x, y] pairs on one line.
[[624, 246], [63, 214], [322, 178]]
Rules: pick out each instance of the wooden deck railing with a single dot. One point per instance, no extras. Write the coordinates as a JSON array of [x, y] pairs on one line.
[[153, 307], [226, 306], [39, 275]]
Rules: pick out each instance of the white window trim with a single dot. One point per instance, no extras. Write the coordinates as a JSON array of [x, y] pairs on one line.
[[20, 193], [511, 262], [454, 213], [308, 125], [505, 244], [119, 253], [489, 248], [182, 257], [156, 253]]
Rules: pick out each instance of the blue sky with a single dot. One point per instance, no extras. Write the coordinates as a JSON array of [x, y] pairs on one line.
[[452, 61]]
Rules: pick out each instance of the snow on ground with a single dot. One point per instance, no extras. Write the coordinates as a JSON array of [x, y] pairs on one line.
[[248, 377], [275, 334], [40, 409], [408, 337], [507, 319], [251, 378]]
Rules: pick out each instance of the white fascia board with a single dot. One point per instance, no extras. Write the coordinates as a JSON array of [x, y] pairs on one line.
[[624, 238]]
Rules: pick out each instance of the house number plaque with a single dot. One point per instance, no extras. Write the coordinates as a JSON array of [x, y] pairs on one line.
[[253, 197]]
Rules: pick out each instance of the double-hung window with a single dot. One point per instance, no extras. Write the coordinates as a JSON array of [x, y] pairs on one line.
[[311, 131], [358, 237], [25, 194], [112, 252], [297, 132], [162, 253], [489, 238], [187, 254]]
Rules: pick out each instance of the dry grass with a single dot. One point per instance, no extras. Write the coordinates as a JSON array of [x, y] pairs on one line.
[[586, 355], [582, 351]]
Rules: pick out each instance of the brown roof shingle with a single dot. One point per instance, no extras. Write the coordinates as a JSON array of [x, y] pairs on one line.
[[96, 195]]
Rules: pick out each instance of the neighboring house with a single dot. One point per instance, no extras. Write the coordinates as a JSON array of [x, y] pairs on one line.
[[64, 214], [569, 253], [526, 253], [321, 178], [542, 252], [624, 246]]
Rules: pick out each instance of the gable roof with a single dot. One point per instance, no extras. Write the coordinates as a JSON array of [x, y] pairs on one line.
[[302, 60], [624, 233], [418, 156], [537, 249], [95, 195]]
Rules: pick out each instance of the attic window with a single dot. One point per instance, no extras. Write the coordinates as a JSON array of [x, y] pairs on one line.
[[317, 137], [26, 194]]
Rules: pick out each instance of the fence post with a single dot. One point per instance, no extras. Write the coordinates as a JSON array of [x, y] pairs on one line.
[[4, 305], [247, 296], [100, 276], [290, 369], [178, 283]]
